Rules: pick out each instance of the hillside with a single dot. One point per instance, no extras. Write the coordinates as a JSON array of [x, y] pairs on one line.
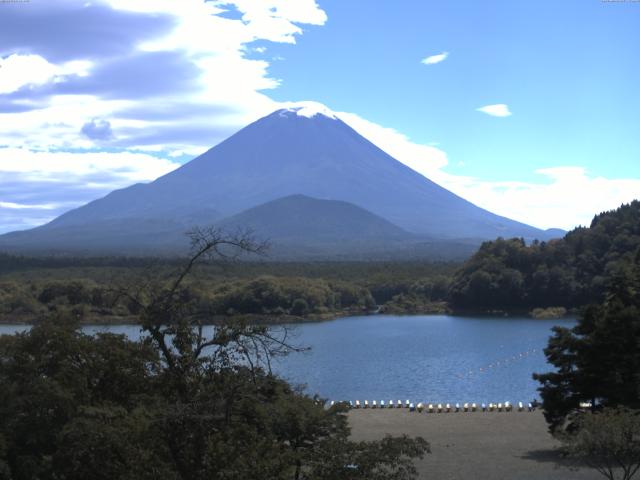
[[299, 219], [569, 272]]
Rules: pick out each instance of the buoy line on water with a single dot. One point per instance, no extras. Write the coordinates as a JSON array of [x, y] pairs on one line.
[[497, 364], [440, 407]]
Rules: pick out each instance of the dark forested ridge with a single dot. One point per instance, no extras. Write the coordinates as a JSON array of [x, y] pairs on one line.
[[569, 272]]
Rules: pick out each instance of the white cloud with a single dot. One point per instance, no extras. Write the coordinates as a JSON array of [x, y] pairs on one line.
[[275, 20], [568, 197], [425, 159], [227, 85], [309, 109], [433, 59], [21, 206], [224, 94], [497, 110], [17, 71], [229, 94], [56, 126], [94, 169], [565, 197], [37, 186]]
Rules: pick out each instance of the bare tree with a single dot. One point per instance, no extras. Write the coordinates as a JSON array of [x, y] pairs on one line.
[[183, 332]]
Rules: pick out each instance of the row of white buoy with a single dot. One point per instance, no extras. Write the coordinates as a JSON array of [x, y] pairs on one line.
[[497, 364], [440, 407]]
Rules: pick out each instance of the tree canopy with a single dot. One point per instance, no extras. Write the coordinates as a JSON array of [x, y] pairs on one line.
[[508, 274], [607, 441], [598, 360], [182, 403]]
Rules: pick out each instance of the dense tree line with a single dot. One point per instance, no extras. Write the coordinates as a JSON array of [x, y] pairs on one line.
[[591, 399], [427, 295], [295, 296], [505, 274], [101, 268], [569, 272], [17, 263], [265, 295], [228, 288], [178, 404]]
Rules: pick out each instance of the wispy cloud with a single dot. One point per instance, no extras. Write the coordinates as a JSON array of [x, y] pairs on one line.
[[433, 59], [52, 73], [20, 206], [497, 110], [563, 196], [37, 186], [425, 159]]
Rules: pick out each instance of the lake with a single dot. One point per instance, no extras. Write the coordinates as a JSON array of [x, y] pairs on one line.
[[430, 358]]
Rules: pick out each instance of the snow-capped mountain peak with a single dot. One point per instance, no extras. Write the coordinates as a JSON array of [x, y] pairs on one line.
[[309, 109]]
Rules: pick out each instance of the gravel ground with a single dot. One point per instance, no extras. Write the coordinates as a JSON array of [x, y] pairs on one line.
[[486, 446]]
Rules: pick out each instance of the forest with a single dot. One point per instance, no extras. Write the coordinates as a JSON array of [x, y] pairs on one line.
[[509, 275], [504, 275], [277, 291], [180, 404]]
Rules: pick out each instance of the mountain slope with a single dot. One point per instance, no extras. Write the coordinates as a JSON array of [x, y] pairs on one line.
[[291, 151], [298, 219], [113, 236], [300, 227]]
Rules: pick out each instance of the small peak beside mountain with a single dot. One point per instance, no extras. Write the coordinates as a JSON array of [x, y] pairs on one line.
[[307, 109]]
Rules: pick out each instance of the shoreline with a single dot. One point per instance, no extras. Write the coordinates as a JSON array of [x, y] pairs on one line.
[[215, 319], [269, 319]]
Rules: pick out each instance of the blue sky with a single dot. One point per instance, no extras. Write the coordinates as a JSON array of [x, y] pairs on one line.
[[529, 109], [568, 70]]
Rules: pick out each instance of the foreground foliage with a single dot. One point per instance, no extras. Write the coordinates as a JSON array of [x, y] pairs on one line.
[[183, 403], [598, 360], [591, 400], [607, 441]]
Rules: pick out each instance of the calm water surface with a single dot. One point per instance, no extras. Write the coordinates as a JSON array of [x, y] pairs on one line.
[[435, 358]]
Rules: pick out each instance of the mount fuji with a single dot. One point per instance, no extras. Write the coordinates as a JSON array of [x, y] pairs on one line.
[[304, 156]]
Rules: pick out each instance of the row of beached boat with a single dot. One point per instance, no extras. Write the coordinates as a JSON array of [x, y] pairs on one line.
[[442, 407]]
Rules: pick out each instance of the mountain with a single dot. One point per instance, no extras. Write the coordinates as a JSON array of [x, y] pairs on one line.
[[555, 233], [298, 226], [290, 152], [299, 219]]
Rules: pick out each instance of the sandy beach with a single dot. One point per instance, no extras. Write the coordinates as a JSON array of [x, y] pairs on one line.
[[487, 446]]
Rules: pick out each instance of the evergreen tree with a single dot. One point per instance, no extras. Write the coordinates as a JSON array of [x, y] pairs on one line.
[[598, 360]]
